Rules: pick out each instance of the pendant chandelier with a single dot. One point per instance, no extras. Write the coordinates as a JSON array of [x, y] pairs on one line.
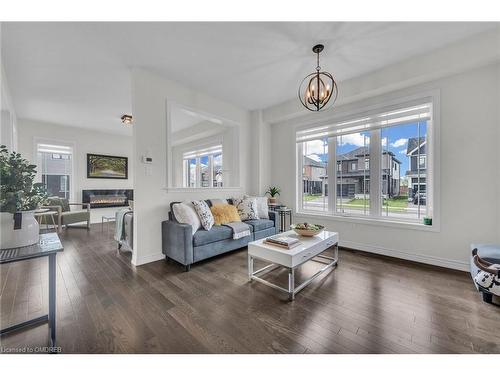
[[319, 88]]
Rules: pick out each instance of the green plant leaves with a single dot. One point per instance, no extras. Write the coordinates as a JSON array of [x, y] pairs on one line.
[[17, 190]]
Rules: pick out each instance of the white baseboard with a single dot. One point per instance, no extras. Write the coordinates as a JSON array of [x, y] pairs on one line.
[[447, 263], [148, 259], [453, 264]]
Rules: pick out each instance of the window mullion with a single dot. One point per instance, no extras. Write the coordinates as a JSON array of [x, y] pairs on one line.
[[332, 174], [300, 174], [375, 151], [198, 172]]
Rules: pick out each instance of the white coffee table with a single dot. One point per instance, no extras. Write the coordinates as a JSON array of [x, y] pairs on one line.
[[310, 249]]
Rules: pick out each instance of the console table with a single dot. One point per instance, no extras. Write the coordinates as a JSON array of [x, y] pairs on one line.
[[48, 246]]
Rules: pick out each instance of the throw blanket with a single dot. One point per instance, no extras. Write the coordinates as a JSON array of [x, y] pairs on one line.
[[119, 227], [239, 229]]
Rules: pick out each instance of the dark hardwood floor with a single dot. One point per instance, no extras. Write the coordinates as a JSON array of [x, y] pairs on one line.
[[369, 304]]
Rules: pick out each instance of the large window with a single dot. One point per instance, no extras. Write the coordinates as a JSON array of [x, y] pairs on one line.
[[353, 184], [381, 164], [55, 168], [203, 168], [315, 175]]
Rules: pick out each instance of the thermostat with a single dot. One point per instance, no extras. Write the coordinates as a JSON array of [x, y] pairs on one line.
[[147, 160]]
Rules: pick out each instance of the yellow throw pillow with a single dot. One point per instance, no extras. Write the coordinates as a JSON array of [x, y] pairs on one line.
[[224, 213]]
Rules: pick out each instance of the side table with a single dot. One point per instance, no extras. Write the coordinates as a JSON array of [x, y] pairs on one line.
[[284, 215], [43, 215]]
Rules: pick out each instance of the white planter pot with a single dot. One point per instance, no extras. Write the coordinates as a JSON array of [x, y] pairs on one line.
[[27, 235]]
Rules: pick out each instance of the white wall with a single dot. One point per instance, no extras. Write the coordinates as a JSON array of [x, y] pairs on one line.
[[84, 141], [470, 187], [8, 118], [150, 94]]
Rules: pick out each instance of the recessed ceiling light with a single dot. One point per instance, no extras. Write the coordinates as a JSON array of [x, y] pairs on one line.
[[127, 119]]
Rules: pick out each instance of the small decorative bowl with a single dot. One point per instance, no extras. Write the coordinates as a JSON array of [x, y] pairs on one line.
[[308, 232]]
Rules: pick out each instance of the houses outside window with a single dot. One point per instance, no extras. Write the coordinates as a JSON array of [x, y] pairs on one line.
[[203, 168], [391, 146], [315, 175], [55, 168]]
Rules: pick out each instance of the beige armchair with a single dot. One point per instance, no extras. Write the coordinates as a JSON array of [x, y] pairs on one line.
[[65, 216]]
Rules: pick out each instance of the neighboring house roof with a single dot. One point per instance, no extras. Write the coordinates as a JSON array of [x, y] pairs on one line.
[[413, 144], [363, 151], [354, 154], [313, 163]]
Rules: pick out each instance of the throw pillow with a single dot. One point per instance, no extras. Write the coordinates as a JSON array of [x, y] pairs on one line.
[[65, 205], [247, 208], [214, 202], [204, 213], [184, 212], [262, 207], [224, 213]]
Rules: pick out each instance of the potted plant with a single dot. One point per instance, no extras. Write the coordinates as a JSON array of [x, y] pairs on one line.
[[273, 192], [19, 197]]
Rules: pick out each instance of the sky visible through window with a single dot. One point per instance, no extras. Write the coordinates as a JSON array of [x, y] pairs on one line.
[[397, 139]]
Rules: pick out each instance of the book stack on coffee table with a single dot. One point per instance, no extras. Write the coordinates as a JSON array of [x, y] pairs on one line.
[[285, 242]]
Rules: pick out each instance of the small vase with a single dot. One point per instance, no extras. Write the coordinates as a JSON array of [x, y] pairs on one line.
[[27, 234], [273, 200]]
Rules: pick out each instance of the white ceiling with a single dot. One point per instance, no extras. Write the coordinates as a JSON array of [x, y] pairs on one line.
[[77, 74], [183, 119]]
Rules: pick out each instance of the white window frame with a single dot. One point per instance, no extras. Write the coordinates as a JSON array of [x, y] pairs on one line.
[[432, 166], [197, 156], [74, 190]]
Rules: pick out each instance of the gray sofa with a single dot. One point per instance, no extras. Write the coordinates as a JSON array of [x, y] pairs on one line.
[[186, 248]]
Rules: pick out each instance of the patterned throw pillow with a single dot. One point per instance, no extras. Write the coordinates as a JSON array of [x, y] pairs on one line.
[[262, 207], [204, 213], [247, 208]]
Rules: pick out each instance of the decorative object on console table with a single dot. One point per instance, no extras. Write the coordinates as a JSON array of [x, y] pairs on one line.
[[285, 242], [19, 197], [273, 192], [106, 166], [307, 230]]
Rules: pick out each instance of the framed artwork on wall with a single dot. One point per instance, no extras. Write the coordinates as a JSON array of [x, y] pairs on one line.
[[106, 166]]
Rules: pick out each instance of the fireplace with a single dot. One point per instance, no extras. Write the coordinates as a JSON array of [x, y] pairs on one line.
[[107, 198]]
